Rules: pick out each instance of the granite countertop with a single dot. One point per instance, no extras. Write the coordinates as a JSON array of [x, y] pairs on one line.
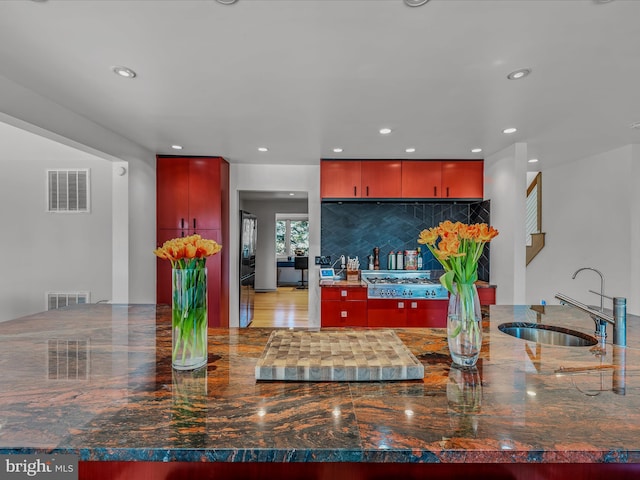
[[96, 380]]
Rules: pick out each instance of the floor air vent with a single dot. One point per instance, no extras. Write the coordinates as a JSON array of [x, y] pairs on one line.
[[64, 299]]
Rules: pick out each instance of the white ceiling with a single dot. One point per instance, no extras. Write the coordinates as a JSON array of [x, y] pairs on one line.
[[304, 76]]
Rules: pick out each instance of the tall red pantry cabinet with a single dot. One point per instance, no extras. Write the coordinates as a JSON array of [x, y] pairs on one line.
[[192, 196]]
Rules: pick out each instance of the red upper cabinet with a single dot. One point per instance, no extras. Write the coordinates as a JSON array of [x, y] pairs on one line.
[[188, 193], [411, 179], [463, 179], [204, 210], [172, 186], [340, 179], [421, 179], [360, 179], [381, 179]]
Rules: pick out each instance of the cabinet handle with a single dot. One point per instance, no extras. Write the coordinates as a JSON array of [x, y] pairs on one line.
[[355, 190], [400, 304], [367, 190], [343, 293], [343, 314], [435, 191], [447, 192], [182, 223], [194, 222]]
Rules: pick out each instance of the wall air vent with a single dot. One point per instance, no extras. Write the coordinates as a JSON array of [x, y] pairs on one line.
[[68, 190], [64, 299]]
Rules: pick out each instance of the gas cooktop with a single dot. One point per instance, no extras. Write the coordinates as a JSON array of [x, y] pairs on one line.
[[403, 284]]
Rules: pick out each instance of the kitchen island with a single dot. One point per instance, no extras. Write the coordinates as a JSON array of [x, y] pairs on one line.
[[96, 380]]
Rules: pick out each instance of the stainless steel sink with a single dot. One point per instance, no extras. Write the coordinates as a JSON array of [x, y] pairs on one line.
[[551, 335]]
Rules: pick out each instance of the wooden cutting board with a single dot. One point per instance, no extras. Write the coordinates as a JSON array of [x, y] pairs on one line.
[[337, 356]]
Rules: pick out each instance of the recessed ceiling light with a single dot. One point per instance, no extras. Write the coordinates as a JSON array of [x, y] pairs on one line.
[[415, 3], [533, 160], [410, 150], [263, 149], [476, 150], [124, 72], [385, 131], [176, 147], [337, 150], [510, 130], [518, 74], [291, 194]]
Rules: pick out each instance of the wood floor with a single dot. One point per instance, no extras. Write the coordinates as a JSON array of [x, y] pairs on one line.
[[285, 308]]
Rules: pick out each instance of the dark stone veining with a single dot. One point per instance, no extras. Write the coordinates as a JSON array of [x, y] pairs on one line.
[[118, 398]]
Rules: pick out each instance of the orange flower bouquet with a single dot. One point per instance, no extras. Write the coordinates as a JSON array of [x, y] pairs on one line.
[[458, 247], [188, 256]]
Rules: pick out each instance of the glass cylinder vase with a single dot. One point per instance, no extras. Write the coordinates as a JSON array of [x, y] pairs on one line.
[[464, 325], [189, 318]]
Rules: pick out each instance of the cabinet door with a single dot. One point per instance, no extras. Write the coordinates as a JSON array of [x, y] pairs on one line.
[[463, 179], [427, 313], [343, 314], [343, 293], [204, 194], [381, 179], [487, 295], [172, 193], [163, 267], [387, 313], [339, 179], [421, 179], [215, 281]]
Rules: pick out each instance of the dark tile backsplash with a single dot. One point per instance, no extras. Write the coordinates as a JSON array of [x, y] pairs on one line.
[[354, 229]]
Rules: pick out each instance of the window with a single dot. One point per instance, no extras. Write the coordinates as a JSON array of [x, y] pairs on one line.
[[68, 190], [534, 207], [292, 236]]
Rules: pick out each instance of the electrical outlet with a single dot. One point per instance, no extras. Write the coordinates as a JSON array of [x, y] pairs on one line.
[[323, 261]]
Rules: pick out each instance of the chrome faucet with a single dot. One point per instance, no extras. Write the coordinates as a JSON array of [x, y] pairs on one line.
[[601, 283], [618, 320]]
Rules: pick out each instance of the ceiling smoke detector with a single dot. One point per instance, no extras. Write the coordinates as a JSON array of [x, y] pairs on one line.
[[415, 3]]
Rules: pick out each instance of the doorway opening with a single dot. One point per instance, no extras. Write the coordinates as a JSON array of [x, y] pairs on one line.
[[282, 232]]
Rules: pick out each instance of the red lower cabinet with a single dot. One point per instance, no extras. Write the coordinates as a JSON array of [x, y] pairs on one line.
[[344, 307], [349, 307], [487, 295], [400, 313], [387, 313], [427, 313]]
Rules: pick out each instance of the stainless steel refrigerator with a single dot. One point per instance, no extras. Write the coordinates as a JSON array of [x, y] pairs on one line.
[[248, 237]]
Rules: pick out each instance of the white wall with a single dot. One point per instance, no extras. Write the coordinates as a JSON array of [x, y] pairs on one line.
[[506, 185], [133, 258], [589, 214], [303, 178], [42, 251]]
